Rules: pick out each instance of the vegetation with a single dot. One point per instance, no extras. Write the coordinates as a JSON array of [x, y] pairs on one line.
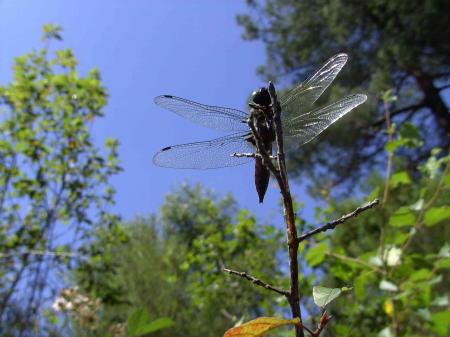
[[54, 181], [383, 274], [172, 265], [393, 45]]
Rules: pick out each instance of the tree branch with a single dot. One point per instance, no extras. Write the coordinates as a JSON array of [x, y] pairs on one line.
[[413, 107], [334, 223], [257, 281], [289, 215]]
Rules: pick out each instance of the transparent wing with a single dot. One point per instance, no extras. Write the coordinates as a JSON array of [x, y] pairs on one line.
[[311, 124], [298, 101], [213, 117], [205, 155]]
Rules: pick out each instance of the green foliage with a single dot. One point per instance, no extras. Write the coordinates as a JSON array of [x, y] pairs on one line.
[[172, 266], [54, 180], [139, 323], [392, 44], [396, 256]]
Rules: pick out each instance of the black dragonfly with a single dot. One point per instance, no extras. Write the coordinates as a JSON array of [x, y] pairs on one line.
[[300, 121]]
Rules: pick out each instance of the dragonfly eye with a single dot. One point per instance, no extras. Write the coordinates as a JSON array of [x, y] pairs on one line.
[[261, 97]]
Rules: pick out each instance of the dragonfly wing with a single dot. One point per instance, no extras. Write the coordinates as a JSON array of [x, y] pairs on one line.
[[213, 117], [215, 153], [311, 124], [298, 101]]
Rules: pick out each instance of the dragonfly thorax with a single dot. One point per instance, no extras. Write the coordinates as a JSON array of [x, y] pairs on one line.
[[261, 97]]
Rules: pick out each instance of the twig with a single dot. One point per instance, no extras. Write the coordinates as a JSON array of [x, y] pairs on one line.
[[334, 223], [257, 281], [357, 261]]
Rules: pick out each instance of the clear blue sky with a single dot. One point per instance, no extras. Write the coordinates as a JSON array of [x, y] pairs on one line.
[[144, 48]]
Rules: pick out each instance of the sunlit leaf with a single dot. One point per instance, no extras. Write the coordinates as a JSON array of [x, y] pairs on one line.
[[388, 286], [316, 254], [402, 217], [322, 295], [435, 215], [444, 251], [392, 256], [399, 178], [139, 323], [259, 326], [417, 206], [441, 322], [441, 301], [386, 332]]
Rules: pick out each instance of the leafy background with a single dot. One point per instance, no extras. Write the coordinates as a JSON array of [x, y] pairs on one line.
[[74, 264]]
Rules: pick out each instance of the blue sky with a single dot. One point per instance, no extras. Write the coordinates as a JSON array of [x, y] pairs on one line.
[[144, 49]]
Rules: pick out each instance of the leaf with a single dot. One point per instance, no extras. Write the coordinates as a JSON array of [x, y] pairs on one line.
[[395, 144], [402, 217], [158, 324], [442, 264], [399, 178], [386, 332], [435, 215], [392, 256], [441, 322], [441, 301], [136, 320], [316, 254], [388, 286], [420, 275], [139, 323], [322, 295], [444, 251], [417, 206], [259, 326], [447, 180]]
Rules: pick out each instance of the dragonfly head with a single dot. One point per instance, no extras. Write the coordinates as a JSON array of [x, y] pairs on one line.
[[261, 97]]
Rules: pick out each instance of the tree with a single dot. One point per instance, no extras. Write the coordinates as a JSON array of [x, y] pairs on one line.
[[396, 260], [399, 45], [172, 265], [54, 180]]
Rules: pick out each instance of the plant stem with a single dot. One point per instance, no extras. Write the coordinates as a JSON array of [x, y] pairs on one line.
[[289, 215]]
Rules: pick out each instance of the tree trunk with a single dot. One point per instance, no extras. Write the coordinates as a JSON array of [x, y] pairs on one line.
[[434, 101]]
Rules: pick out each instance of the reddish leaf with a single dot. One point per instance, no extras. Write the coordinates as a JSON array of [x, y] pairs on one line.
[[259, 326]]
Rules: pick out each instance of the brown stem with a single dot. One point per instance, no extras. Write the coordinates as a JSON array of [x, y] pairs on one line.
[[257, 281], [334, 223], [289, 215]]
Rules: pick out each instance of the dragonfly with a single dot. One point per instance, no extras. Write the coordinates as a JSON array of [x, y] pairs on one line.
[[301, 122]]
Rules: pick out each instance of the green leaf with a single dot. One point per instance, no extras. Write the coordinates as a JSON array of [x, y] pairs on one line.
[[447, 180], [388, 286], [441, 322], [139, 323], [158, 324], [395, 144], [420, 275], [322, 295], [316, 254], [435, 215], [442, 264], [374, 194], [402, 217], [399, 178]]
